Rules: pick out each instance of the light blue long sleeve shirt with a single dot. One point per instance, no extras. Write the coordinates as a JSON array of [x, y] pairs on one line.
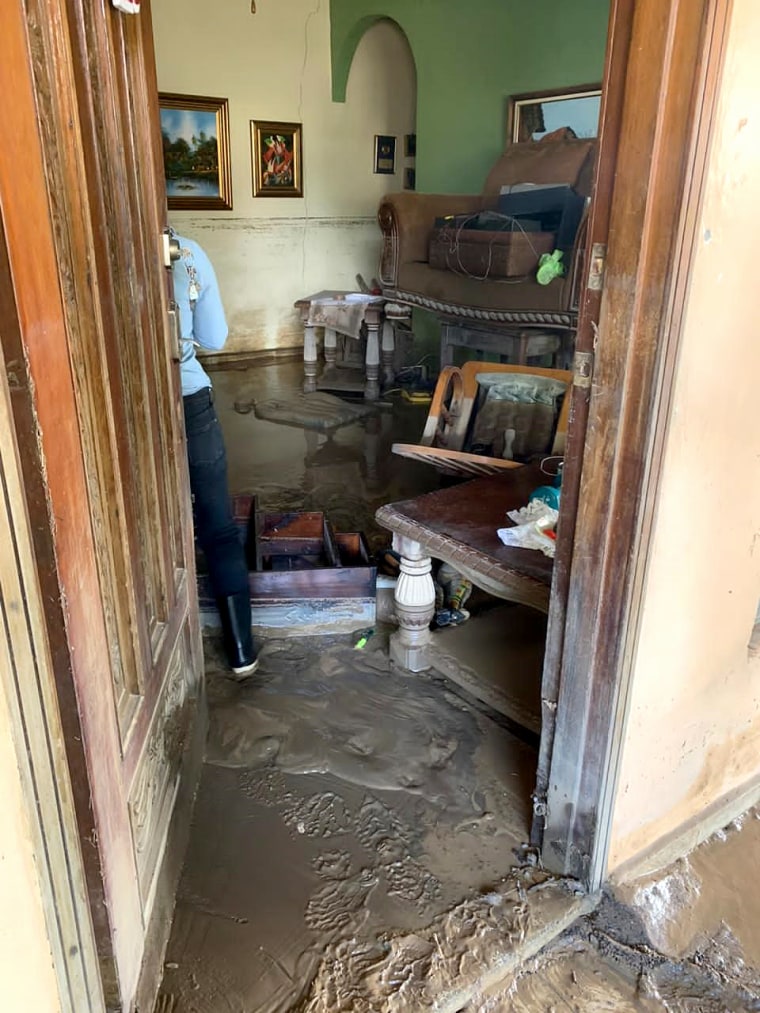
[[201, 314]]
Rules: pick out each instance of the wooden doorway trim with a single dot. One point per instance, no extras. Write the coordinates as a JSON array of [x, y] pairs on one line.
[[674, 58], [27, 682]]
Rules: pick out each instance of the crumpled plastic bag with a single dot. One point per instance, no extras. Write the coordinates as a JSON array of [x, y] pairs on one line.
[[531, 523]]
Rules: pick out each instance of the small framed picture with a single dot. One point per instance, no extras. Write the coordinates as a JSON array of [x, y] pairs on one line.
[[410, 145], [410, 180], [196, 143], [385, 154], [276, 150]]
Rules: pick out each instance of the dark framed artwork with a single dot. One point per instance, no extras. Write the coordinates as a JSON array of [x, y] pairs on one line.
[[533, 115], [410, 145], [196, 147], [385, 154], [410, 178], [277, 156]]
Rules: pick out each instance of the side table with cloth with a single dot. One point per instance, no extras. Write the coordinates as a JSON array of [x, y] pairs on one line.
[[345, 313]]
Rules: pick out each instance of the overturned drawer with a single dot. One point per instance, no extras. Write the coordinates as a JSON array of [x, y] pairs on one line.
[[305, 579], [298, 555]]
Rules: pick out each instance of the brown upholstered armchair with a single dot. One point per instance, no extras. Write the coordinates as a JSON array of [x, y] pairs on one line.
[[406, 220]]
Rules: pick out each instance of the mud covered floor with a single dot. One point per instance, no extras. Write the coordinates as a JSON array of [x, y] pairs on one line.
[[340, 801], [356, 848], [357, 838]]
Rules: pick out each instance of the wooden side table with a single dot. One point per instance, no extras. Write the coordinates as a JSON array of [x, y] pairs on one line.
[[458, 525], [380, 342]]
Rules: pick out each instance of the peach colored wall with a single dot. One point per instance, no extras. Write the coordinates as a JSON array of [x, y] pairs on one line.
[[275, 65], [693, 732], [27, 978]]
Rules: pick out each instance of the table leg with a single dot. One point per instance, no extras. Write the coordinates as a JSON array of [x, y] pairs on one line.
[[415, 605], [448, 341], [309, 359], [388, 347], [331, 349], [372, 387]]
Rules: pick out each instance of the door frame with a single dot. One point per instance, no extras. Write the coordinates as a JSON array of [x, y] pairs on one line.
[[653, 100], [664, 63]]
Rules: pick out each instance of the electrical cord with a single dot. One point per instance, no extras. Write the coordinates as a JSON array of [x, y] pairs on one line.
[[461, 269]]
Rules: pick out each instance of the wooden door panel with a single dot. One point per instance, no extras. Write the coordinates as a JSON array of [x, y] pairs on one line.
[[122, 538]]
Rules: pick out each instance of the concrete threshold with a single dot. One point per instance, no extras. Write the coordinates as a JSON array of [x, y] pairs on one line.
[[551, 907]]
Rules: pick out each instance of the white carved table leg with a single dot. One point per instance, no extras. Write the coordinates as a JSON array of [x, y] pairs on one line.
[[309, 359], [388, 346], [331, 348], [415, 605], [372, 387]]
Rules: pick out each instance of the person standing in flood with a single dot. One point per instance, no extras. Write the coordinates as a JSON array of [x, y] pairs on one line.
[[202, 323]]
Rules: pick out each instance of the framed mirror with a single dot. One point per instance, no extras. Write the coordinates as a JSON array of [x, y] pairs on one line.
[[533, 115]]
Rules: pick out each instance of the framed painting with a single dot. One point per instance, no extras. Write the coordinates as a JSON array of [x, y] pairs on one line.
[[196, 145], [385, 154], [277, 154], [536, 114]]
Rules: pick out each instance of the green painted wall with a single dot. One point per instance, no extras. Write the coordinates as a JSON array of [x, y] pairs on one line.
[[471, 55]]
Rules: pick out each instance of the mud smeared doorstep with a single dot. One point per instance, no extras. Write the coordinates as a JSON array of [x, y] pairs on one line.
[[353, 841]]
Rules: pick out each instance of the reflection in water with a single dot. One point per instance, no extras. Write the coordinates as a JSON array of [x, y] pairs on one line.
[[348, 472]]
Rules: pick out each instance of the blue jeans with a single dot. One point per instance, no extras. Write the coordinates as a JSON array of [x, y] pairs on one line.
[[215, 529]]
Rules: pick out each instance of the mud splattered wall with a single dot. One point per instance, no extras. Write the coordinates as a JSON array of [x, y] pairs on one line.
[[471, 55], [693, 733], [275, 65]]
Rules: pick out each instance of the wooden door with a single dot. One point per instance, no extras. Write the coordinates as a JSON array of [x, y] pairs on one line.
[[98, 414]]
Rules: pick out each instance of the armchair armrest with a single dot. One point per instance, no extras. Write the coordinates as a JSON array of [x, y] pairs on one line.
[[405, 220]]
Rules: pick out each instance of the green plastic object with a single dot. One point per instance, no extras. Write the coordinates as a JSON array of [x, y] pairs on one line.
[[550, 266]]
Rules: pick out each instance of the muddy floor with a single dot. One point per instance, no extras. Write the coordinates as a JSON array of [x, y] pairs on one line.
[[358, 847], [341, 801], [358, 843]]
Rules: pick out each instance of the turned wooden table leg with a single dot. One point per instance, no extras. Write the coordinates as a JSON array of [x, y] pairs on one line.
[[309, 359], [388, 347], [415, 605], [331, 348], [372, 387]]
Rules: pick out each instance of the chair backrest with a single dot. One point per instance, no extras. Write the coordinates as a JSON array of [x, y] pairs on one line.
[[567, 161], [511, 411]]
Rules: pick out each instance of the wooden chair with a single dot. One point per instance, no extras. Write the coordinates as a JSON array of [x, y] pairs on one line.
[[447, 440]]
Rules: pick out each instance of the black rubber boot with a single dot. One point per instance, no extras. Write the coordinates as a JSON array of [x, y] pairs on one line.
[[235, 613]]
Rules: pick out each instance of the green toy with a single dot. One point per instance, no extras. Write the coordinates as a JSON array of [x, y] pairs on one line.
[[550, 267]]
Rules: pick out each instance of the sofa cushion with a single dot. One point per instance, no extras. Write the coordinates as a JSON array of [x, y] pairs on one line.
[[497, 294], [546, 161]]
